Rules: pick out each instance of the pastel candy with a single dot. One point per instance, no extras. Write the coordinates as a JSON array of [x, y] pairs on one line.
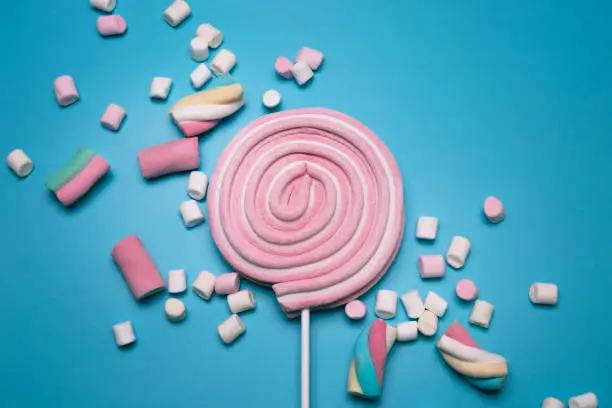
[[311, 56], [111, 25], [65, 90], [431, 266], [466, 290], [113, 116], [494, 209], [355, 310], [283, 66], [170, 157]]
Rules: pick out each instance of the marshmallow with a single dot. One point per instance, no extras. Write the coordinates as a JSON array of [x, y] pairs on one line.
[[223, 62], [113, 116], [111, 25], [413, 304], [213, 37], [551, 402], [481, 314], [386, 304], [544, 293], [407, 331], [227, 284], [355, 310], [197, 185], [283, 66], [427, 228], [65, 90], [124, 333], [177, 13], [458, 252], [241, 301], [177, 281], [312, 57], [431, 266], [200, 76], [103, 5], [466, 290], [435, 304], [19, 162], [175, 310], [199, 49], [301, 72], [588, 400], [271, 98], [494, 210], [191, 213], [170, 157], [160, 88], [231, 329], [428, 323], [204, 285]]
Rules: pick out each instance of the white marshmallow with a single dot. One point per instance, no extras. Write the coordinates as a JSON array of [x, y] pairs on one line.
[[301, 72], [177, 281], [213, 37], [428, 323], [191, 213], [551, 402], [427, 228], [271, 98], [386, 304], [160, 88], [198, 183], [435, 304], [588, 400], [20, 163], [177, 13], [481, 314], [175, 310], [231, 329], [544, 293], [413, 304], [458, 252], [223, 62], [103, 5], [241, 301], [199, 49], [204, 285], [124, 333], [200, 76], [407, 331]]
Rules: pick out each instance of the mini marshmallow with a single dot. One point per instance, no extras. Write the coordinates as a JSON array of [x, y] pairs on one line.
[[413, 304], [177, 281], [113, 116], [494, 210], [386, 304], [301, 72], [431, 266], [199, 49], [355, 310], [191, 213], [551, 402], [65, 90], [466, 290], [428, 323], [271, 98], [197, 185], [103, 5], [227, 284], [481, 314], [427, 228], [111, 25], [160, 88], [458, 252], [241, 301], [407, 331], [200, 76], [204, 285], [544, 293], [223, 62], [283, 66], [231, 329], [20, 163], [170, 157], [312, 57], [124, 333], [175, 310], [213, 37], [588, 400], [177, 13], [435, 304]]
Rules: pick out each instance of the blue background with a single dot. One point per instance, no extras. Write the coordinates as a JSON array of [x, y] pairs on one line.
[[474, 98]]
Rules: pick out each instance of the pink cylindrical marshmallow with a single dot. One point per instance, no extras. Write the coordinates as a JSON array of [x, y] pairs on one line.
[[137, 267], [355, 310], [171, 157], [494, 209], [312, 57], [65, 90], [466, 290], [113, 116], [431, 266], [111, 25], [80, 184], [283, 67], [227, 284]]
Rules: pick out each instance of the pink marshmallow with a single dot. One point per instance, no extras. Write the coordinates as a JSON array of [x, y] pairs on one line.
[[171, 157], [283, 67], [355, 310], [80, 184], [431, 266], [466, 290], [113, 116], [227, 284], [111, 25], [65, 90], [312, 57], [137, 267], [494, 210]]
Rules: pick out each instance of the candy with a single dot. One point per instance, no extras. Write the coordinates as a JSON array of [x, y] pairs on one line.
[[386, 304], [103, 5], [160, 88], [413, 305], [223, 62], [200, 76], [241, 301], [20, 163], [407, 331], [431, 266], [551, 402], [231, 329], [113, 116], [197, 185], [301, 72], [191, 213], [213, 36], [124, 333], [65, 90], [428, 323], [435, 304], [178, 11], [588, 400], [137, 267], [177, 281], [283, 67], [227, 284], [271, 98], [170, 157], [427, 228], [355, 310], [111, 25], [175, 310], [199, 49], [494, 210], [310, 56], [481, 314], [458, 252], [466, 290], [544, 293], [204, 285]]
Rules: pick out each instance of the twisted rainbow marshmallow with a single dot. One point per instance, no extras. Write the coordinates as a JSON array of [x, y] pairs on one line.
[[365, 377], [484, 370], [200, 112]]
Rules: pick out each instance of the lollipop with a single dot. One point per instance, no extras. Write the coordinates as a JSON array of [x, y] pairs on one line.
[[310, 202]]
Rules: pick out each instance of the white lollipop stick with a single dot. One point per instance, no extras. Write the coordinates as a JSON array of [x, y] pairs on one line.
[[306, 358]]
